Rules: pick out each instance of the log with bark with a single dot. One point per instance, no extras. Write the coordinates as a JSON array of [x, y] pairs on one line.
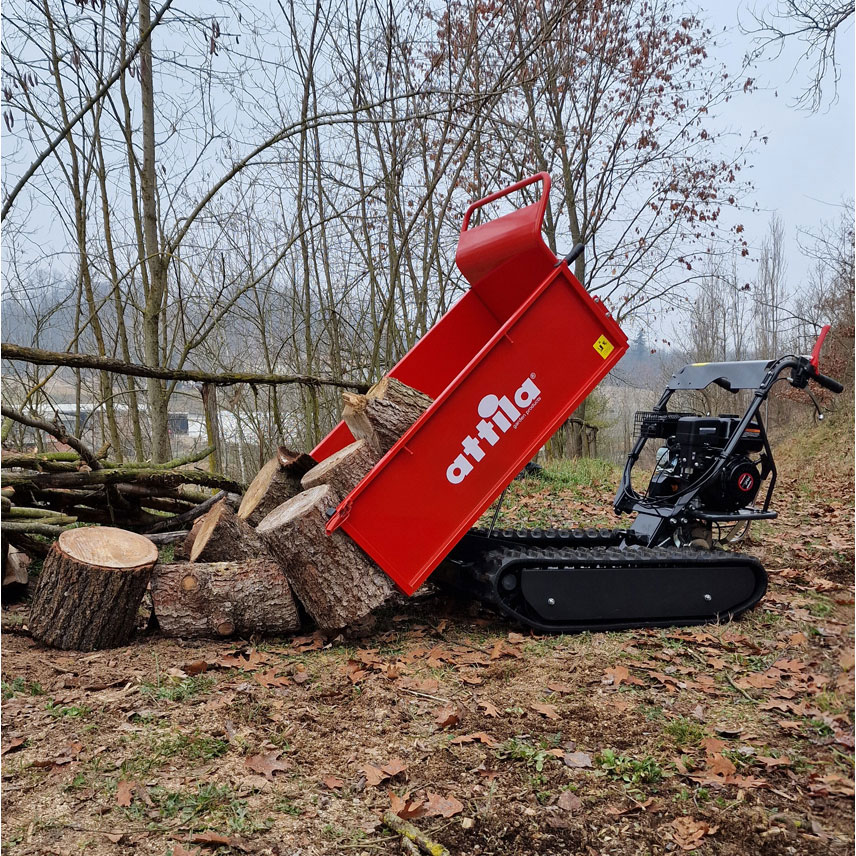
[[277, 481], [90, 588], [384, 413], [219, 599], [223, 537], [183, 548], [343, 470], [336, 582], [16, 565]]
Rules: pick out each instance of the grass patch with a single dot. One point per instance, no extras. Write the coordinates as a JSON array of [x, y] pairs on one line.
[[209, 806], [516, 749], [159, 751], [287, 806], [629, 770], [684, 732], [570, 473], [19, 686], [180, 690], [74, 711]]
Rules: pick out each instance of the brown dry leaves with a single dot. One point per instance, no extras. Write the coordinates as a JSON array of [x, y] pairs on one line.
[[376, 775], [688, 833], [267, 764], [428, 805]]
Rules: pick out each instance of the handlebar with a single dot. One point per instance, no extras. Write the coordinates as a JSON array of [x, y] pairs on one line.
[[802, 371], [827, 382]]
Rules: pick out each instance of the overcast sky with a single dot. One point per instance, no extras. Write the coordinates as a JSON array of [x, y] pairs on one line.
[[807, 166]]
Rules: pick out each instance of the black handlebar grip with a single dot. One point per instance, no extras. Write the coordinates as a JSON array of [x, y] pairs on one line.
[[828, 383]]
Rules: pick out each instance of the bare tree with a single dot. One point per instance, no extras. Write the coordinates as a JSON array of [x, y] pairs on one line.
[[770, 292], [815, 24]]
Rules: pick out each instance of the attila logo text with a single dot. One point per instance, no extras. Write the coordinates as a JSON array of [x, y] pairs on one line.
[[498, 416]]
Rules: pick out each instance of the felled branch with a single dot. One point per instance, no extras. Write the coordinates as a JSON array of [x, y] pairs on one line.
[[38, 356], [55, 430], [187, 516]]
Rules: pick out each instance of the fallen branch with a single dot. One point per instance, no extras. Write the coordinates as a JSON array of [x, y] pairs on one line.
[[187, 516], [408, 830], [408, 847], [31, 546], [32, 528], [50, 462], [133, 475], [29, 513], [38, 356], [55, 429], [162, 538]]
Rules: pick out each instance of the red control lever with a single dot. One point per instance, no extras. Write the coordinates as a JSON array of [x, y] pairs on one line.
[[815, 352]]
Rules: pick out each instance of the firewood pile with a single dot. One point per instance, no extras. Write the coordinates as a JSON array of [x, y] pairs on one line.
[[241, 569]]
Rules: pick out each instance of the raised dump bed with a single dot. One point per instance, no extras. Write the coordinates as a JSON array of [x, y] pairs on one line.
[[506, 366]]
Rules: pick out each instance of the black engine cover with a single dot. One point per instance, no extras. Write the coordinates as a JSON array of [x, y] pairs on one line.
[[737, 486]]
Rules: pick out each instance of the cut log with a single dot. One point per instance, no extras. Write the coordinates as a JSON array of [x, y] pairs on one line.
[[90, 588], [224, 537], [336, 582], [343, 470], [294, 463], [273, 485], [219, 599], [182, 550], [385, 412], [356, 418], [15, 565]]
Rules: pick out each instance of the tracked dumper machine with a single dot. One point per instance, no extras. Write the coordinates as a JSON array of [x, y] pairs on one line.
[[506, 366]]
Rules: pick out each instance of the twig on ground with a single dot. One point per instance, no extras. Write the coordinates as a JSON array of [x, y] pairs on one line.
[[408, 830], [742, 692]]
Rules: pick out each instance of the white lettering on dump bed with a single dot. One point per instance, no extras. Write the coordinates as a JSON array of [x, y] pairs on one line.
[[498, 415]]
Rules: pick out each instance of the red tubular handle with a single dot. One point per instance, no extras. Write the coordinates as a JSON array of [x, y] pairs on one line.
[[542, 202], [815, 352]]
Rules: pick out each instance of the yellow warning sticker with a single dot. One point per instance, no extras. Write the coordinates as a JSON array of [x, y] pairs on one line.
[[603, 346]]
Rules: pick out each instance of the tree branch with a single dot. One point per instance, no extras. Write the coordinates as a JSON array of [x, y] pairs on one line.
[[55, 429], [89, 361], [102, 91]]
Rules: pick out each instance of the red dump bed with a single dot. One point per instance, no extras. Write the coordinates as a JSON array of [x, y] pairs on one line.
[[506, 366]]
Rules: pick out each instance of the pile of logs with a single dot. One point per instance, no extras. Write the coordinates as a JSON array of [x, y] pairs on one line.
[[236, 572], [44, 493]]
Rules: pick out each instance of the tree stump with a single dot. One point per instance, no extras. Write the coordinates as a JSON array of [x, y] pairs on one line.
[[219, 599], [336, 582], [223, 537], [343, 470], [277, 481], [90, 588], [384, 413]]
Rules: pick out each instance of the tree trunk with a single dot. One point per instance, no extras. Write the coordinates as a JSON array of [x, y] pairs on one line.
[[90, 588], [336, 582], [224, 537], [271, 487], [385, 412], [157, 267], [247, 597], [212, 427], [343, 470]]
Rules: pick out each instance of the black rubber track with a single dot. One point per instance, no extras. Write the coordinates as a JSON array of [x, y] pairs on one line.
[[479, 564]]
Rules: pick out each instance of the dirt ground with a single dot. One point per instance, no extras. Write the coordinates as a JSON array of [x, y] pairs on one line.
[[734, 739]]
